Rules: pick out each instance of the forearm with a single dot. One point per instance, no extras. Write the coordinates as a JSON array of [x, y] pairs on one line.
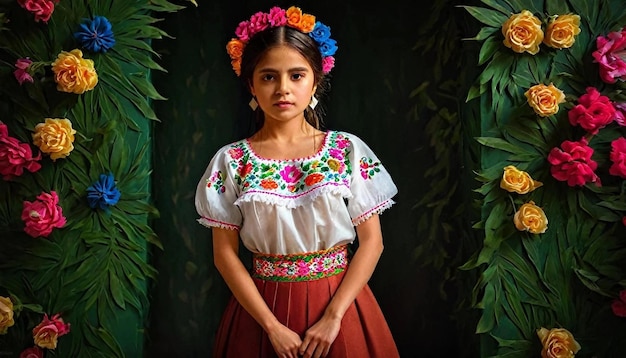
[[360, 269]]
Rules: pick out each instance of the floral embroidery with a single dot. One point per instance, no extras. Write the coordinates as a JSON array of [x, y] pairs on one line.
[[368, 167], [216, 181], [295, 177], [301, 267]]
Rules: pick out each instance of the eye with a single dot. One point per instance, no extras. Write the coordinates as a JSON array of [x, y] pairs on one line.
[[267, 77], [297, 76]]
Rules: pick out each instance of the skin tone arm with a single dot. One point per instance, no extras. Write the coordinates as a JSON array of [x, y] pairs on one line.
[[322, 334], [226, 257]]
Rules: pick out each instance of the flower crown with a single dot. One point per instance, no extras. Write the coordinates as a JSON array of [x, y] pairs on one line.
[[292, 17]]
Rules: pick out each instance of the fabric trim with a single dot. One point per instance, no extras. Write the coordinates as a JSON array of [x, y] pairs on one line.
[[211, 223], [300, 267], [378, 209], [293, 201]]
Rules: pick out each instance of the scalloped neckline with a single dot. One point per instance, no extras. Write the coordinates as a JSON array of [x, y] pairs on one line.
[[298, 159]]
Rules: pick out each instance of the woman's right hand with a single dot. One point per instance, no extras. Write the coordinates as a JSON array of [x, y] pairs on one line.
[[285, 341]]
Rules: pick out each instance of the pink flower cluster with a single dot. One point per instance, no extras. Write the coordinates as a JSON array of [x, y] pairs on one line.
[[611, 56], [593, 111], [572, 163], [41, 9], [43, 215], [15, 156]]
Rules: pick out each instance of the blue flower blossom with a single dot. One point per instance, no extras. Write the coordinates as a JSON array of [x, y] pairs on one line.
[[328, 47], [95, 35], [103, 193], [320, 32]]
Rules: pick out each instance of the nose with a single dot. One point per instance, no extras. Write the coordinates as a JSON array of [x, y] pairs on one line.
[[283, 85]]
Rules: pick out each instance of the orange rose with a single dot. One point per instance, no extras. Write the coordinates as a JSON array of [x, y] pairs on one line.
[[518, 181], [73, 73], [522, 32], [55, 137], [557, 343], [307, 23], [562, 30], [544, 99], [234, 48], [294, 15], [531, 218], [6, 314]]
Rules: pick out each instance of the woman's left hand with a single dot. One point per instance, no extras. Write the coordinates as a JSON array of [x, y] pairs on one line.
[[319, 337]]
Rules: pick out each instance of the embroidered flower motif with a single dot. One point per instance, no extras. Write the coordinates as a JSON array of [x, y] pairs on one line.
[[217, 182], [368, 167], [96, 34], [291, 174]]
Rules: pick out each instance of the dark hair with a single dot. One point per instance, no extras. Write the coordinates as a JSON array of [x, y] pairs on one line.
[[272, 37]]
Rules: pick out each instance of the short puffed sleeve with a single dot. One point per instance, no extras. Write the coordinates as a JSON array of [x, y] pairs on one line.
[[371, 185], [217, 191]]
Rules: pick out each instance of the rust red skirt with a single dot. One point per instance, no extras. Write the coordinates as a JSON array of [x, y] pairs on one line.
[[298, 304]]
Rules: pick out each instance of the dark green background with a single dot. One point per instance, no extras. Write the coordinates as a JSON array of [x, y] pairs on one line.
[[376, 70]]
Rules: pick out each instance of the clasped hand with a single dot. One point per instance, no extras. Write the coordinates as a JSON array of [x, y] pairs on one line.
[[316, 343]]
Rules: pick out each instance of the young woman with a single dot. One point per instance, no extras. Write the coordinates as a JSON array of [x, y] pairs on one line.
[[297, 197]]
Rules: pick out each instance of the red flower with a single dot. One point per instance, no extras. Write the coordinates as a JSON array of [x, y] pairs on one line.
[[42, 9], [45, 334], [573, 163], [618, 157], [610, 56], [32, 352], [593, 111], [619, 305], [21, 70], [15, 156], [43, 215]]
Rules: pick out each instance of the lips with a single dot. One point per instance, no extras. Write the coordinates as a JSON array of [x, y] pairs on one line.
[[283, 104]]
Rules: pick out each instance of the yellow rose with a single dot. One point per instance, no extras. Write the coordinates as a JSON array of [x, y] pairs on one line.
[[557, 343], [562, 30], [55, 137], [544, 99], [518, 181], [6, 314], [531, 218], [73, 73], [522, 32]]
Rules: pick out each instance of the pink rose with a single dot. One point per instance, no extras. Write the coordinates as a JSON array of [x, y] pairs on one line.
[[277, 17], [610, 56], [258, 23], [618, 157], [43, 215], [573, 163], [243, 31], [42, 9], [593, 111], [21, 70], [328, 63], [619, 304], [620, 113], [15, 156], [46, 333], [32, 352]]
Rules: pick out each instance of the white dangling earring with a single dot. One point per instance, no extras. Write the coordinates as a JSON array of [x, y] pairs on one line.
[[313, 102], [253, 104]]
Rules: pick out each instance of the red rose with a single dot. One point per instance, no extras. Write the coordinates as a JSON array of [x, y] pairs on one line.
[[593, 111], [619, 305], [32, 352], [573, 163], [43, 215], [46, 333], [618, 157], [15, 156], [42, 9]]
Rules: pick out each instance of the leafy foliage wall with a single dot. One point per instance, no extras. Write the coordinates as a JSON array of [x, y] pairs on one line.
[[75, 204], [552, 261]]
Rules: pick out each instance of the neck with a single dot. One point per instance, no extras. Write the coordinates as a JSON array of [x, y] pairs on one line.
[[287, 131]]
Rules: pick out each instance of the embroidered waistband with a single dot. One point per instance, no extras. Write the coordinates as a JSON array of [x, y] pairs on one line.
[[300, 267]]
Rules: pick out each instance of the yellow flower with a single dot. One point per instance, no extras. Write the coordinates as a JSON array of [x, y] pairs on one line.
[[6, 314], [544, 99], [562, 30], [518, 181], [55, 137], [557, 343], [522, 32], [531, 218], [73, 73]]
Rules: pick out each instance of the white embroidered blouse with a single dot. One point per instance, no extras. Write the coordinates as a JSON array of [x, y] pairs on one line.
[[294, 206]]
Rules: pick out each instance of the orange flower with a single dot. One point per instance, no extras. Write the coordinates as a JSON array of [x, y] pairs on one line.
[[557, 343], [234, 48], [522, 32], [313, 179], [73, 73], [518, 181], [531, 218], [268, 184], [562, 30], [544, 99], [299, 20]]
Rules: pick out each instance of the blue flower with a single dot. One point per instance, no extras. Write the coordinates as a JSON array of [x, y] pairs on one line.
[[320, 32], [96, 35], [328, 47], [103, 193]]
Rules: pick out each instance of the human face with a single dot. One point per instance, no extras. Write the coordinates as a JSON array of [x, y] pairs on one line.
[[283, 83]]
